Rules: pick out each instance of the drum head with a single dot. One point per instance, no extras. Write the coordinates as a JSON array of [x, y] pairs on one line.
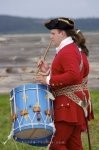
[[33, 133]]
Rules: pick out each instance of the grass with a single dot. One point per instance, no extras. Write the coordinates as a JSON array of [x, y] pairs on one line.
[[93, 125], [5, 126]]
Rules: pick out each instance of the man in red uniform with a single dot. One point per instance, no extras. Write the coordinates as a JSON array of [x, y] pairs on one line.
[[65, 79]]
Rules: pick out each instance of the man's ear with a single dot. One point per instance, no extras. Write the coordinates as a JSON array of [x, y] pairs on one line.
[[63, 33]]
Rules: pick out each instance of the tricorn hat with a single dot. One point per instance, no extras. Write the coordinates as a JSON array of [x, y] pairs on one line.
[[60, 23]]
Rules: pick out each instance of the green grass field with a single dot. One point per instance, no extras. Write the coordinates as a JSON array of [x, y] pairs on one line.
[[5, 126]]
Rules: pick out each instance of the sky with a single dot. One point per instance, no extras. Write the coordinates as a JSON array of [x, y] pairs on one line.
[[50, 8]]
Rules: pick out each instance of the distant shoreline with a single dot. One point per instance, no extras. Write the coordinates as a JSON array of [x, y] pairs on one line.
[[22, 25]]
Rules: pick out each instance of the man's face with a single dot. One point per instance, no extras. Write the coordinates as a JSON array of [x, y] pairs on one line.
[[56, 36]]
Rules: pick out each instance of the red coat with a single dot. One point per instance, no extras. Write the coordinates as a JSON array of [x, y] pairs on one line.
[[65, 71], [86, 91]]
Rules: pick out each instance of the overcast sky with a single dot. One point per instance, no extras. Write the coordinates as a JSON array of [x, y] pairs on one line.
[[50, 8]]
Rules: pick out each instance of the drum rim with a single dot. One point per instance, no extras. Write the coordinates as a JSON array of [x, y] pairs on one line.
[[34, 87]]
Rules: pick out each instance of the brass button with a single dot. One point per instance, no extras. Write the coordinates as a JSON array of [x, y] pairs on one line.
[[68, 104], [61, 83]]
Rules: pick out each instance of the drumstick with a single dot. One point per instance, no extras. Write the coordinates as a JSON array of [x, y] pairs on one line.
[[44, 56]]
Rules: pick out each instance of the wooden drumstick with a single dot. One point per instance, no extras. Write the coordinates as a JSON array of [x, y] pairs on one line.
[[44, 56]]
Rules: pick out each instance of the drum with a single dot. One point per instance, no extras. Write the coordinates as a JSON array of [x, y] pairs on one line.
[[31, 111]]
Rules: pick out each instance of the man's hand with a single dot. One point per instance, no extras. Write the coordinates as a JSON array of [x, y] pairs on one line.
[[41, 79], [43, 66]]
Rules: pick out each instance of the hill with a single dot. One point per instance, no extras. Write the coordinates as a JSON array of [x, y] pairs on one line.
[[13, 24]]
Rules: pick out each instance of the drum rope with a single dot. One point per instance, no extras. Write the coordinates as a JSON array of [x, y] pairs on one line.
[[14, 101], [11, 104], [24, 96], [37, 93], [30, 120], [42, 116], [19, 122], [48, 99]]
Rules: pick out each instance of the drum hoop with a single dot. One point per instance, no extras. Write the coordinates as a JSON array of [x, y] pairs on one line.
[[30, 89], [32, 124], [27, 90]]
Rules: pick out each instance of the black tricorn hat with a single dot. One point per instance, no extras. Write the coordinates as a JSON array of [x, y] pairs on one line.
[[60, 23]]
